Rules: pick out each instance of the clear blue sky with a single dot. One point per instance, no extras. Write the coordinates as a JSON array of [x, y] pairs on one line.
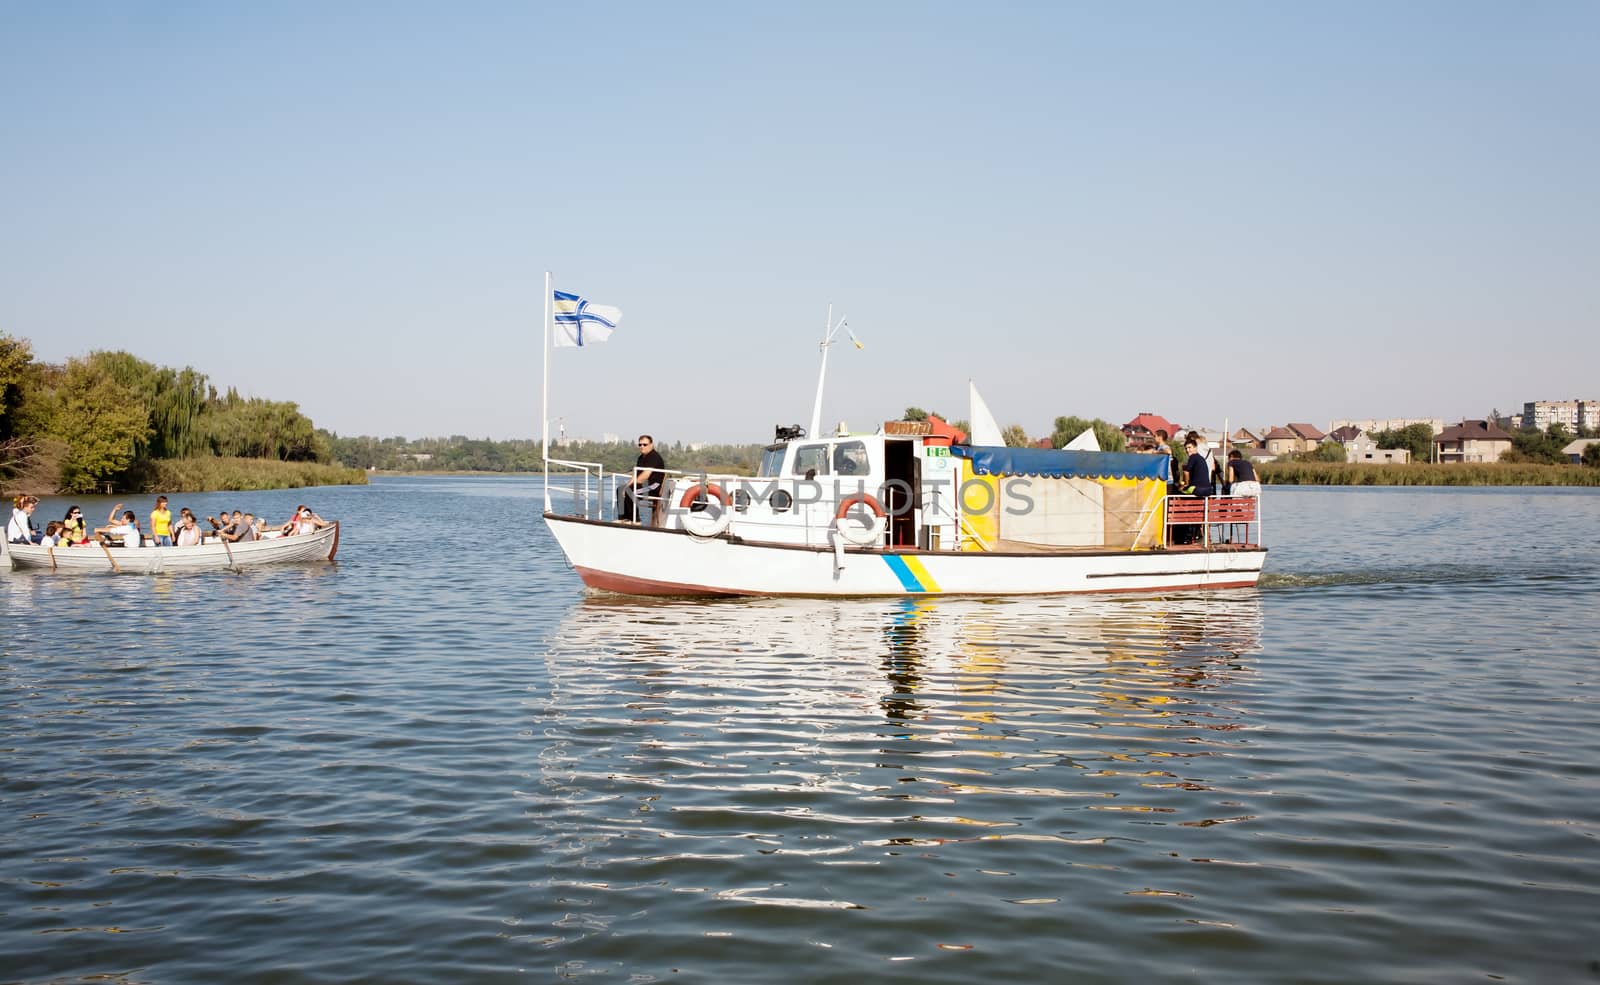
[[1255, 211]]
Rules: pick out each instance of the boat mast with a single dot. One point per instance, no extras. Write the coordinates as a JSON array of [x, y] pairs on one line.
[[829, 330]]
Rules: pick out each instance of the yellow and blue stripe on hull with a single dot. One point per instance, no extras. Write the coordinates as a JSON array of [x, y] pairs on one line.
[[913, 574]]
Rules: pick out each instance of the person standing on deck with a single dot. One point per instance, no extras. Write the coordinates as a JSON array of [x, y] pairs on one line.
[[1242, 479], [1196, 473], [645, 484]]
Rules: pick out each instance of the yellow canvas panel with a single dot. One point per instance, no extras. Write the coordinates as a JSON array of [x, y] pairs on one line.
[[986, 524]]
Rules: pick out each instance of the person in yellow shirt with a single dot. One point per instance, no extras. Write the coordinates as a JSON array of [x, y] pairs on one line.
[[161, 523]]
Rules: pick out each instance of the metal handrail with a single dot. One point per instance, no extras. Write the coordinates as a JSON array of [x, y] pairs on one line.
[[1206, 521], [584, 467]]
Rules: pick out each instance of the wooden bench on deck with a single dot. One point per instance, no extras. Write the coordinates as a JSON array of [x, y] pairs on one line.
[[1236, 512]]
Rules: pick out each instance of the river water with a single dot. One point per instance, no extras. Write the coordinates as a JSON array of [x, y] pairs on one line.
[[438, 762]]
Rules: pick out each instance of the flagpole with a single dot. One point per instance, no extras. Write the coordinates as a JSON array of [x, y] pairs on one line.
[[544, 424]]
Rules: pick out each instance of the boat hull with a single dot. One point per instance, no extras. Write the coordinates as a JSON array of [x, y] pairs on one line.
[[644, 561], [320, 545]]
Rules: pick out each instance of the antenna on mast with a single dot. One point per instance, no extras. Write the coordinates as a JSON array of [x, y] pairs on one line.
[[830, 331]]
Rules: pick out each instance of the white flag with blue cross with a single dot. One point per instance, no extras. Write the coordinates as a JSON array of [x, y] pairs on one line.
[[578, 322]]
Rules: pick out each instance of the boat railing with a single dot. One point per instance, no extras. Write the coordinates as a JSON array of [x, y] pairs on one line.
[[1232, 521], [581, 493], [662, 503]]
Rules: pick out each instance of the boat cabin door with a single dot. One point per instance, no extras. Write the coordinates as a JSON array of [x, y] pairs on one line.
[[903, 481]]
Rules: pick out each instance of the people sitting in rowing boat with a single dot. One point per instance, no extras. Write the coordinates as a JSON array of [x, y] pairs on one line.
[[20, 528], [304, 521], [127, 531], [188, 531], [222, 524], [73, 529], [243, 529], [52, 534]]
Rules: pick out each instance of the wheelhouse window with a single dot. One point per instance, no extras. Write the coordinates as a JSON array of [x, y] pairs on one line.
[[850, 458], [771, 462], [810, 460]]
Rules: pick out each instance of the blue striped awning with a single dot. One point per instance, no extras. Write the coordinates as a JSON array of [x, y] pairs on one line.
[[1053, 463]]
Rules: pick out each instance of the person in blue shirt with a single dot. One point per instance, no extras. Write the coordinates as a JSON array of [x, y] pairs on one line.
[[1196, 473]]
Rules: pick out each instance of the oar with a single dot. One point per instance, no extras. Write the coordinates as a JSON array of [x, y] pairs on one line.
[[52, 552], [113, 560], [228, 549]]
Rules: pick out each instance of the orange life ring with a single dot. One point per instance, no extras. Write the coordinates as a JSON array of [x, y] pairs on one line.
[[863, 498], [866, 536], [699, 489]]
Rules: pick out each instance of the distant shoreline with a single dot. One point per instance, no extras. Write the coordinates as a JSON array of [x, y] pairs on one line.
[[195, 475], [1426, 474], [1303, 474]]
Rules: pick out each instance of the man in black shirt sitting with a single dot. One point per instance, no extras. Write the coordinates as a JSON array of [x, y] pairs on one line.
[[645, 484]]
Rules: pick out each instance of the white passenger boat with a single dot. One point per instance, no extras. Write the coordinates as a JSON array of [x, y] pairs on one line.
[[924, 518], [319, 545], [905, 511]]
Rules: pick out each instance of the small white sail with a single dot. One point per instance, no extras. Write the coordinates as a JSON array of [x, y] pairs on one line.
[[1084, 442], [985, 432]]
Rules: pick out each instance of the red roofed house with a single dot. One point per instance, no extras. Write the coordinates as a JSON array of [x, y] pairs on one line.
[[1147, 430], [1471, 441], [1292, 438]]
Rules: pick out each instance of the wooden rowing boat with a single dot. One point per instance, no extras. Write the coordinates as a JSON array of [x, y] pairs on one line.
[[214, 555]]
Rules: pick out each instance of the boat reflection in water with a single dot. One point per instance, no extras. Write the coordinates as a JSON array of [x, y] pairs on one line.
[[871, 654], [808, 687], [787, 753]]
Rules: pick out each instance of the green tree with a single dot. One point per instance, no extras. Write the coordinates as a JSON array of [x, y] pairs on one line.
[[16, 356], [1107, 434], [1327, 451], [1414, 438], [174, 401], [1538, 446], [256, 428], [1015, 436], [915, 414], [1591, 455], [100, 421]]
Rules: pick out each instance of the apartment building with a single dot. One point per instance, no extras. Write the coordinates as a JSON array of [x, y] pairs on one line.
[[1371, 424], [1571, 414]]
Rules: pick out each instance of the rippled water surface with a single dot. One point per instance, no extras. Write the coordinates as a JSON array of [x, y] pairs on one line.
[[429, 764]]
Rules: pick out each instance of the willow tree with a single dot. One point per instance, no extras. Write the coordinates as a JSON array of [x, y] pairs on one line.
[[174, 402]]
